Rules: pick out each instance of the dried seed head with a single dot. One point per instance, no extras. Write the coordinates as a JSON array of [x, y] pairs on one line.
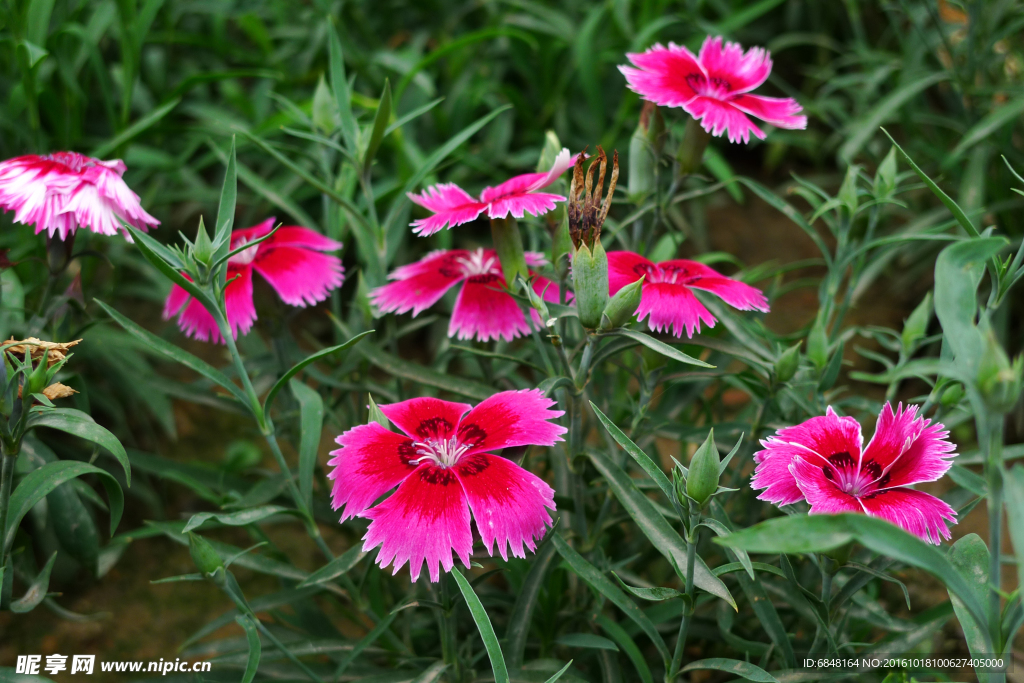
[[587, 211], [36, 347]]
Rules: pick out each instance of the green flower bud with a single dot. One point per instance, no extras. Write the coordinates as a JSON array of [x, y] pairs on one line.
[[203, 554], [952, 395], [590, 283], [622, 306], [537, 301], [885, 177], [999, 381], [817, 345], [644, 152], [848, 190], [788, 363], [702, 481], [917, 324], [35, 382], [202, 250], [691, 151]]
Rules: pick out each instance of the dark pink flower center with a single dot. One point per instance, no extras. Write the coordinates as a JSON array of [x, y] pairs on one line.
[[479, 263], [666, 273], [859, 482], [434, 444], [715, 86]]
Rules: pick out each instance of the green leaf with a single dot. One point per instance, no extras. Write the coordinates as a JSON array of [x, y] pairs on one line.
[[522, 612], [336, 567], [367, 640], [298, 367], [653, 594], [953, 207], [397, 367], [240, 518], [732, 666], [38, 483], [792, 214], [558, 674], [82, 425], [414, 114], [37, 591], [619, 635], [150, 119], [990, 123], [73, 524], [339, 84], [721, 530], [602, 585], [483, 624], [666, 539], [376, 414], [226, 206], [970, 557], [380, 123], [164, 348], [255, 647], [432, 674], [1014, 486], [311, 422], [661, 347], [649, 466], [586, 640]]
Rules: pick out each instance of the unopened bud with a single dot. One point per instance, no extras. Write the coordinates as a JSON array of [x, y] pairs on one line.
[[644, 152], [202, 250], [203, 554], [35, 382], [788, 363], [622, 306], [817, 345], [999, 380], [952, 395], [536, 300], [702, 481], [590, 283], [848, 190], [691, 151], [885, 177]]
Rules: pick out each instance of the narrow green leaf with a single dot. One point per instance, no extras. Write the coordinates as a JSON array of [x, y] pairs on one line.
[[432, 674], [255, 647], [380, 122], [376, 414], [226, 206], [661, 347], [558, 674], [732, 666], [339, 84], [1014, 485], [653, 594], [240, 518], [483, 624], [522, 612], [721, 530], [989, 124], [646, 463], [414, 114], [147, 121], [335, 568], [311, 422], [82, 425], [619, 635], [605, 587], [792, 214], [37, 591], [397, 367], [298, 367], [587, 640]]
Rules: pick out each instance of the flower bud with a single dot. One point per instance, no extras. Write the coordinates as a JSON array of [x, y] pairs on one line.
[[35, 381], [817, 345], [202, 250], [999, 381], [537, 301], [691, 151], [952, 394], [917, 324], [203, 554], [644, 152], [788, 363], [622, 306], [590, 283], [885, 177], [702, 480]]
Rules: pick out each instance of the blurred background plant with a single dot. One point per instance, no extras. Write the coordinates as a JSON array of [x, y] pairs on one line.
[[334, 120]]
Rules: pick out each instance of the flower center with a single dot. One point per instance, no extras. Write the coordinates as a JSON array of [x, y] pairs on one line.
[[714, 87], [842, 471], [443, 452], [246, 256], [668, 274], [478, 263]]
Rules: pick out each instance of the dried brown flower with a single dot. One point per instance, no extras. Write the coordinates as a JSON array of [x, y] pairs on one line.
[[36, 347], [586, 209]]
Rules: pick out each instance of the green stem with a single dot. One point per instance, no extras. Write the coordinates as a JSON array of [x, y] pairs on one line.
[[243, 375], [449, 649], [6, 480], [692, 536], [509, 245], [993, 467]]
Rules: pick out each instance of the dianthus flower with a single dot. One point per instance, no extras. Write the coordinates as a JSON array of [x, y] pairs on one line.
[[451, 205], [713, 86], [64, 191], [667, 294], [444, 466], [290, 260], [821, 461], [484, 309]]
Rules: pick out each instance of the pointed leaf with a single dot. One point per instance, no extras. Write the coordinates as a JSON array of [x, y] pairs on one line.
[[83, 426], [311, 422], [649, 466], [732, 666], [37, 591], [661, 347], [483, 624], [255, 647], [298, 367]]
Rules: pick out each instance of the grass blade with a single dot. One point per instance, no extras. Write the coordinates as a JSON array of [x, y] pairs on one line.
[[483, 624]]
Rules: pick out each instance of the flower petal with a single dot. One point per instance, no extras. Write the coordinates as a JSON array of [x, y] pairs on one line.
[[778, 111], [238, 303], [420, 285], [371, 461], [742, 71], [509, 503], [733, 292], [909, 449], [533, 203], [717, 117], [826, 435], [915, 512], [300, 276], [625, 267], [196, 322], [562, 163], [451, 206], [824, 496], [295, 236], [425, 519], [672, 306], [484, 311], [773, 475], [511, 418], [426, 418], [106, 178], [664, 74]]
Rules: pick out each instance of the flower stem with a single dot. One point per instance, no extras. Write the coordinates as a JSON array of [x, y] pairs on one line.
[[6, 480], [509, 245], [692, 536], [994, 467], [449, 649]]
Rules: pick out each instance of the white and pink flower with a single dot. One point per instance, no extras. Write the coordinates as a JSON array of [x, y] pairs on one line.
[[444, 464], [821, 461], [64, 191], [452, 206], [667, 293], [291, 260], [484, 309], [713, 86]]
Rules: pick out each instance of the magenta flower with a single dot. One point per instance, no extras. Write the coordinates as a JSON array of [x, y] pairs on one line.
[[821, 461], [454, 206], [667, 293], [484, 309], [713, 86], [291, 261], [444, 466], [64, 191]]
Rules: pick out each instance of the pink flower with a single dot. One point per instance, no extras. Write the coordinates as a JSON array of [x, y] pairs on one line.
[[821, 461], [667, 295], [454, 206], [484, 309], [444, 466], [63, 191], [712, 87], [290, 261]]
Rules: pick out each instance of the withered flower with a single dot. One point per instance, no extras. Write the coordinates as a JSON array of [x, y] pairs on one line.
[[57, 351], [586, 209]]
